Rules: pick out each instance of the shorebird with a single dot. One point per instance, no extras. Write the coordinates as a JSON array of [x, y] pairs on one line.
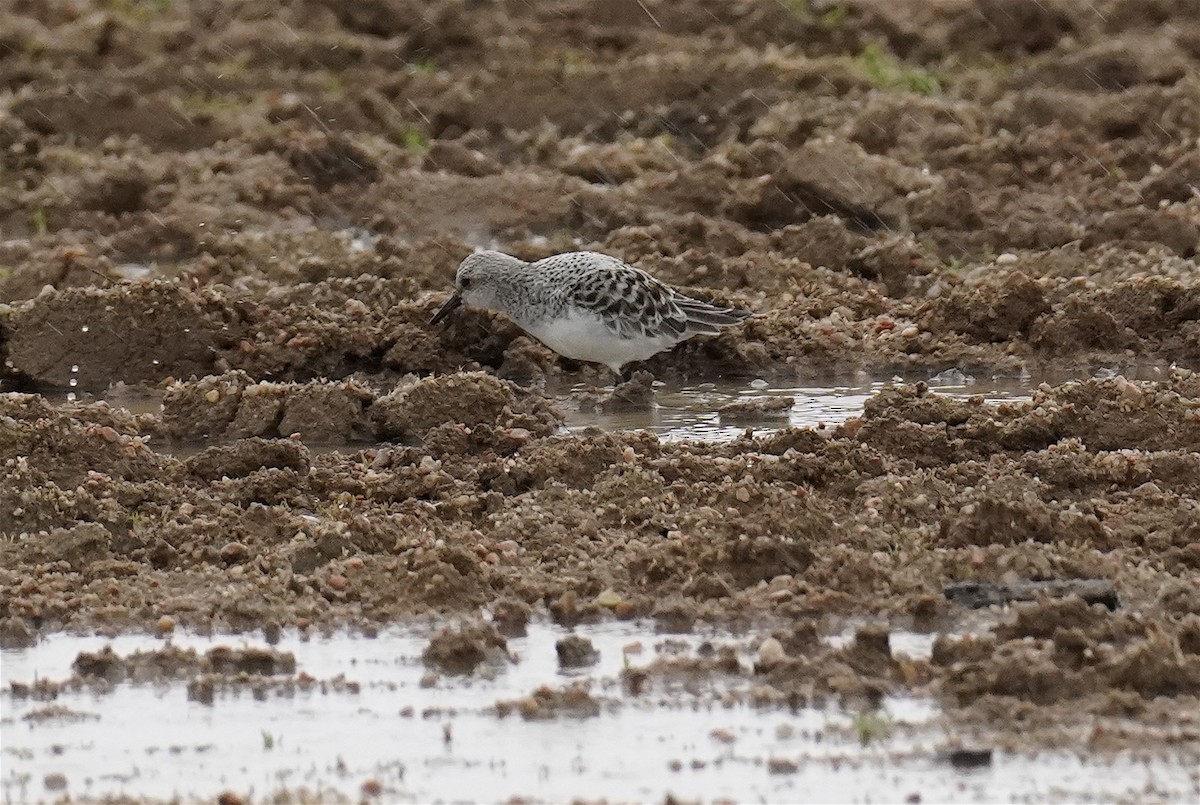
[[586, 305]]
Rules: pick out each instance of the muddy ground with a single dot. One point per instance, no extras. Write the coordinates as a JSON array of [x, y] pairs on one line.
[[250, 209]]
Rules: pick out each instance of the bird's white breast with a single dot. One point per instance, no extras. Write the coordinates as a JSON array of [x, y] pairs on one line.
[[584, 337]]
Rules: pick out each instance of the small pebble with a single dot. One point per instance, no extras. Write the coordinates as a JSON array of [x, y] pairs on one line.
[[234, 552], [608, 598], [770, 653], [722, 735]]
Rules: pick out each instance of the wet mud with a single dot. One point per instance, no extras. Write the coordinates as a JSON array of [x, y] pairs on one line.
[[246, 213]]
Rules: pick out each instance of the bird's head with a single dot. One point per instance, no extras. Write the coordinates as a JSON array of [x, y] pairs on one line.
[[477, 280]]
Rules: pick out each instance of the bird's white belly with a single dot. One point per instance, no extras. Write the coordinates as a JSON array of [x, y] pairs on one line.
[[585, 338]]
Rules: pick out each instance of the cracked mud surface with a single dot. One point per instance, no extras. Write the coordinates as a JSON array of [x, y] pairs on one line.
[[250, 211]]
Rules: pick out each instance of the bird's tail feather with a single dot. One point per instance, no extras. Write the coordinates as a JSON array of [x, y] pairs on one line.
[[705, 318]]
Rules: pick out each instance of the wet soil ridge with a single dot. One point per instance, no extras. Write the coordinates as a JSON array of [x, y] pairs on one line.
[[467, 405], [1085, 481], [894, 184], [88, 339]]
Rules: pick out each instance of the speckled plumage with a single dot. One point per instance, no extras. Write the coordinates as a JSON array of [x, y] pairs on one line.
[[586, 305]]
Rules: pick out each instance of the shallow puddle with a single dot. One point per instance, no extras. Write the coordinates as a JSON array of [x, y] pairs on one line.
[[413, 741], [693, 412]]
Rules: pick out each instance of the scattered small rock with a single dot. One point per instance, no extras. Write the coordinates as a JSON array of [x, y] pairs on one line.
[[576, 651], [970, 758], [608, 598], [234, 553], [770, 654], [722, 735], [779, 765]]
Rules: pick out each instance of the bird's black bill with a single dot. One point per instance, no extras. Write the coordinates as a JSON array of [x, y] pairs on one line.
[[447, 308]]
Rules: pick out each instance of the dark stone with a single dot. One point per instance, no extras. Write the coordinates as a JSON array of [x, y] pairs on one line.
[[978, 594]]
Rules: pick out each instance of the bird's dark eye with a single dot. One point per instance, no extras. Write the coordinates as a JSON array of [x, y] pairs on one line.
[[466, 283]]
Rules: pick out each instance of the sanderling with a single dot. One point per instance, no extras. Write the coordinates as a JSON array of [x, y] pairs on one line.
[[587, 306]]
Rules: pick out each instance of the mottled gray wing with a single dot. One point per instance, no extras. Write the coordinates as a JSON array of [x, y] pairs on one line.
[[630, 302]]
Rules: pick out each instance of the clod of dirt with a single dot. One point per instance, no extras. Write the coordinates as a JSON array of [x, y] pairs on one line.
[[780, 765], [97, 438], [511, 616], [757, 410], [969, 758], [249, 455], [134, 333], [635, 394], [977, 594], [763, 558], [79, 546], [1049, 617], [968, 648], [461, 649], [675, 616], [1189, 634], [328, 159], [103, 663], [572, 460], [871, 652], [16, 633], [1015, 304], [231, 406], [253, 661], [454, 157], [469, 398], [202, 689], [172, 662], [827, 177], [575, 651], [567, 610], [575, 700]]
